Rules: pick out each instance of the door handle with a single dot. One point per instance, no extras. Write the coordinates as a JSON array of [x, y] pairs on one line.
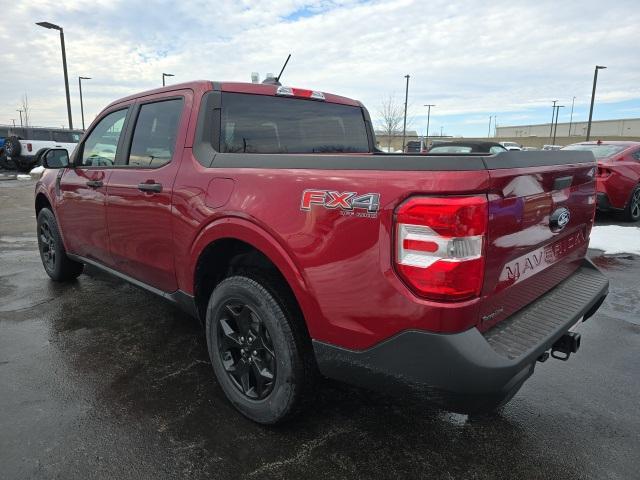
[[150, 187], [94, 183]]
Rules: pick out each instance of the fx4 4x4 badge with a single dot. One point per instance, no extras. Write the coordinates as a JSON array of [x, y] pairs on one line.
[[349, 203]]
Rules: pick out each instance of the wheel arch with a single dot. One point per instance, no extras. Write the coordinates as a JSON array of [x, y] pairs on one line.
[[42, 201], [232, 245]]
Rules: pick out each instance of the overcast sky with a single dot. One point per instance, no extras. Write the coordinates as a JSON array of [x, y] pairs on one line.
[[470, 58]]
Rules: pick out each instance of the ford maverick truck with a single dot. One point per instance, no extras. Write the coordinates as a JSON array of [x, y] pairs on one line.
[[266, 212]]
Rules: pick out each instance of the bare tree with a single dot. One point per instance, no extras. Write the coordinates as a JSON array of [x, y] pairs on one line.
[[26, 110], [391, 114]]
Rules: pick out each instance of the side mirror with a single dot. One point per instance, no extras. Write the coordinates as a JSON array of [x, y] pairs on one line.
[[55, 158]]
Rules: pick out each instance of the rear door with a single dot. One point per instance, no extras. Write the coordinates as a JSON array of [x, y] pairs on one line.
[[140, 190], [541, 210], [82, 189]]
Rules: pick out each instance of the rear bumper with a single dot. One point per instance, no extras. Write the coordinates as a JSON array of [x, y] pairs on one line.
[[470, 371]]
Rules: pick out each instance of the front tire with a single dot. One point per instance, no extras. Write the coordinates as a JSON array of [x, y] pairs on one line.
[[258, 349], [52, 253], [632, 212]]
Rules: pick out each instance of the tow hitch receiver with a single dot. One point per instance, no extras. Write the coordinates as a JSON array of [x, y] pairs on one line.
[[567, 344]]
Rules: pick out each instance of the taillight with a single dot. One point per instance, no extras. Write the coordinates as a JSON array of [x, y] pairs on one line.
[[29, 147], [440, 246]]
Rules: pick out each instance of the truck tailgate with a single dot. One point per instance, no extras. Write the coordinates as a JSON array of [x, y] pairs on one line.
[[541, 210]]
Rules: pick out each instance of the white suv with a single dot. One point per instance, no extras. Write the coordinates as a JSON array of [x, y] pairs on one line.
[[23, 147]]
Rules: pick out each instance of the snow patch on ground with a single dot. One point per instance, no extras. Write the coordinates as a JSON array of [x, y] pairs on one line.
[[614, 239]]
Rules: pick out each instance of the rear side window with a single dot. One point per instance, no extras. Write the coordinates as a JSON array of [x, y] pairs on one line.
[[264, 124], [66, 137], [154, 137]]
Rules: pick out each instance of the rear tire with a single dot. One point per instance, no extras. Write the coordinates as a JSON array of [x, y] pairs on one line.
[[259, 351], [632, 211], [52, 253]]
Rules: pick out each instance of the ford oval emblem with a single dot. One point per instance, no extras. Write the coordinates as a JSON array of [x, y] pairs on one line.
[[559, 219]]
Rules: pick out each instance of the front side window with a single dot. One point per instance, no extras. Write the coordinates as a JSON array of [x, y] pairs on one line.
[[154, 137], [100, 148], [265, 124], [41, 135]]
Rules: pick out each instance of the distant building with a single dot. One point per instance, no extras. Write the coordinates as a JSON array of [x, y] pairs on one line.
[[395, 141], [628, 127]]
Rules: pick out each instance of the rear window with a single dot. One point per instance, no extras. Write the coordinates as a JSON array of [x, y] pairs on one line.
[[263, 124], [451, 149], [599, 151]]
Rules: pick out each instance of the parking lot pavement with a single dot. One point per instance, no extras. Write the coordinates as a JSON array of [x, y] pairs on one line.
[[99, 379]]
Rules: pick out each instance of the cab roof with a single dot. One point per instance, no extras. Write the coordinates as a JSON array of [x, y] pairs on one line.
[[232, 87]]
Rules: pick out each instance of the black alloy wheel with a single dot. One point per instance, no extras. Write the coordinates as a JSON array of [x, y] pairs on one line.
[[260, 351], [47, 246], [246, 351], [52, 253]]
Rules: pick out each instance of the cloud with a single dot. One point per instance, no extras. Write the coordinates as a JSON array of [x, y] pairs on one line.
[[468, 57]]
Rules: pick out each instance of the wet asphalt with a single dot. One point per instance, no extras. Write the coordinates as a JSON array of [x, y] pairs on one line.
[[99, 379]]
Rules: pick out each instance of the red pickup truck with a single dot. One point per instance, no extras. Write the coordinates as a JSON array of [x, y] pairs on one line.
[[266, 212]]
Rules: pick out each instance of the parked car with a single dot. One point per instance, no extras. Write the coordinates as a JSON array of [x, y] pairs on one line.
[[618, 176], [511, 145], [468, 147], [551, 147], [24, 146], [265, 212]]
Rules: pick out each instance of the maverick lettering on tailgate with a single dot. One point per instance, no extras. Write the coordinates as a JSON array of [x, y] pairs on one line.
[[533, 262]]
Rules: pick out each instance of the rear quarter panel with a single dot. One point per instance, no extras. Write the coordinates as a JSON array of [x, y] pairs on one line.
[[339, 266]]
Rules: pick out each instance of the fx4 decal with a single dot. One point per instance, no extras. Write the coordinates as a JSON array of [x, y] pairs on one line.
[[349, 203]]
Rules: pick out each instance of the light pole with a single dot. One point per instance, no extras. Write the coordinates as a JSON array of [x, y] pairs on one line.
[[64, 66], [495, 126], [404, 124], [20, 112], [555, 128], [428, 105], [166, 75], [593, 96], [441, 134], [14, 122], [553, 114], [81, 105], [571, 118], [489, 131]]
